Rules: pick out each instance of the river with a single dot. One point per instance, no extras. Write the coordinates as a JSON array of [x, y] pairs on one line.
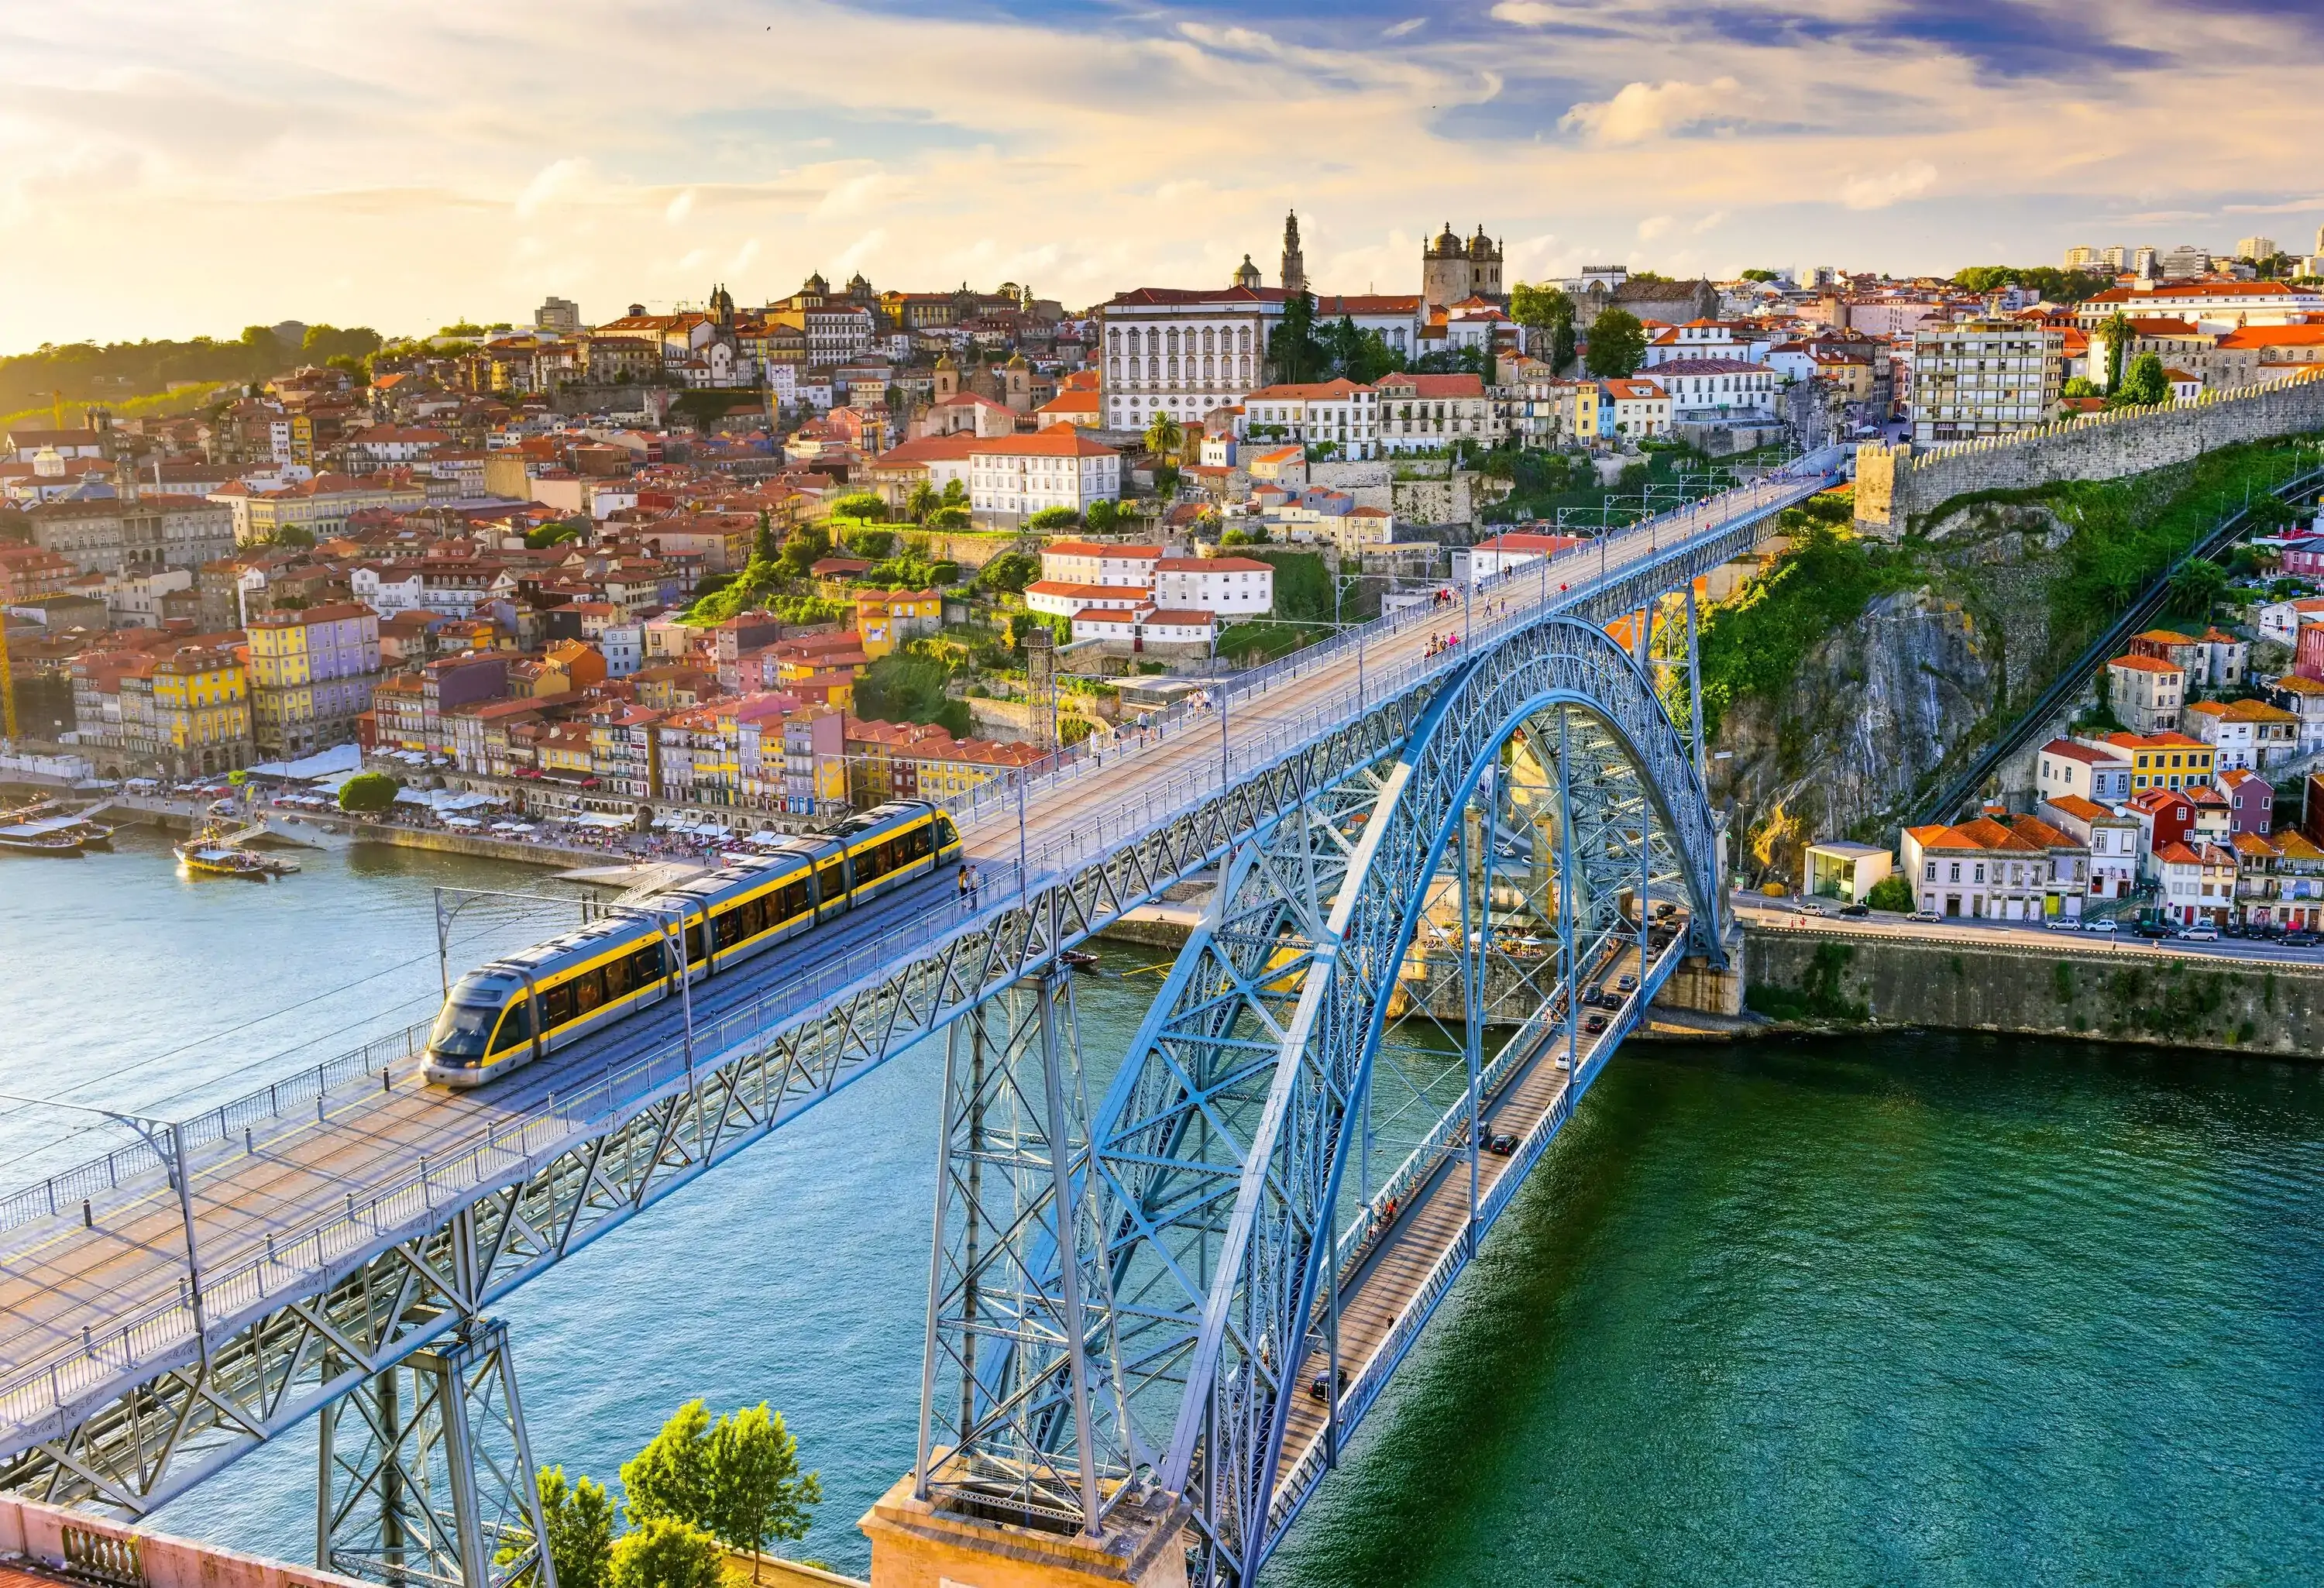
[[1918, 1308]]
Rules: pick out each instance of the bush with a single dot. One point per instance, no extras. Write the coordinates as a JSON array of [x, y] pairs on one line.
[[666, 1552], [874, 544], [1890, 892], [368, 793], [865, 505], [1102, 517], [1052, 520], [954, 517]]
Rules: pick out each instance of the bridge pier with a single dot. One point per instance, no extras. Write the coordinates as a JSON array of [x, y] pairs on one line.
[[915, 1544], [425, 1475]]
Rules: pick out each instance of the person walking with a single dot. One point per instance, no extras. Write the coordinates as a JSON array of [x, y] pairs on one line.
[[967, 894]]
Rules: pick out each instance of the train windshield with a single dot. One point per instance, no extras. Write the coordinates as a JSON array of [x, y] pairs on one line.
[[462, 1029]]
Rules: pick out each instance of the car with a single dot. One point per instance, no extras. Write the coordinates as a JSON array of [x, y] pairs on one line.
[[2099, 926], [1856, 909], [1594, 1024], [2302, 939], [1814, 907], [1500, 1143], [2155, 930], [1319, 1388], [1924, 914], [1626, 983], [2200, 933]]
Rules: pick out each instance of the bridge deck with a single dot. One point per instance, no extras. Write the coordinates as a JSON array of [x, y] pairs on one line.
[[60, 1280], [1394, 1279]]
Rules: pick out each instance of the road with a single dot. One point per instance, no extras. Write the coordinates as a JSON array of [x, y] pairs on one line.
[[1759, 911]]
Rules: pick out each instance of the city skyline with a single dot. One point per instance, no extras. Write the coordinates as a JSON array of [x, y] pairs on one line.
[[404, 167]]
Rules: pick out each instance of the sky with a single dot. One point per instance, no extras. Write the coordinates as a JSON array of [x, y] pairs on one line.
[[169, 170]]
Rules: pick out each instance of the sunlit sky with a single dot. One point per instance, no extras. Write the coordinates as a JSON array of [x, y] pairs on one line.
[[168, 170]]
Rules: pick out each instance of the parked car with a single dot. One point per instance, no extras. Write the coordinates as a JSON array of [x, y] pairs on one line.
[[1814, 907], [2155, 929], [2099, 926], [1856, 909], [2302, 939], [2200, 933], [1924, 914]]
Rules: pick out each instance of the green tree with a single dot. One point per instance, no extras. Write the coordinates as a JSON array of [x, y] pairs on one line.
[[2198, 587], [1163, 436], [2117, 331], [955, 494], [904, 687], [764, 546], [1617, 343], [1546, 311], [1011, 572], [757, 1492], [1296, 353], [806, 545], [578, 1519], [1890, 892], [367, 793], [951, 516], [1051, 520], [2082, 386], [1102, 516], [2145, 386], [920, 501], [670, 1477], [1759, 275], [865, 505], [666, 1552]]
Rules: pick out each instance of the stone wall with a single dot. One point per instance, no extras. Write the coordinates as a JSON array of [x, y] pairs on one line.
[[1897, 487], [2075, 988], [83, 1544]]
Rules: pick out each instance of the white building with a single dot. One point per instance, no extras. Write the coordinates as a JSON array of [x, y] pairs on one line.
[[1635, 408], [1340, 413], [1417, 413], [1087, 562], [1232, 586], [1716, 388], [1984, 377], [1708, 339], [1396, 318], [1183, 353], [2114, 841], [1065, 598], [2069, 768], [1056, 468], [624, 648]]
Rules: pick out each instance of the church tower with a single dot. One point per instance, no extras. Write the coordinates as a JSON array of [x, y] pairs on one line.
[[722, 306], [1294, 264], [1247, 276]]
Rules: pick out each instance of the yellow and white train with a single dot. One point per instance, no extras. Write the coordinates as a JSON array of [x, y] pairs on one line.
[[507, 1013]]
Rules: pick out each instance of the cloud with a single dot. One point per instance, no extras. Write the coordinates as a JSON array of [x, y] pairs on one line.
[[550, 183], [1654, 226], [1528, 14], [680, 208], [1649, 110], [1878, 192], [1410, 24]]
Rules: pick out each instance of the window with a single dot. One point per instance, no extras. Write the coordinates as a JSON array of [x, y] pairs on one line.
[[516, 1026]]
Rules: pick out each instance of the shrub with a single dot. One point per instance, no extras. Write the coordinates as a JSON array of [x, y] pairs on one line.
[[666, 1552], [368, 793], [1891, 892], [865, 505], [1050, 520]]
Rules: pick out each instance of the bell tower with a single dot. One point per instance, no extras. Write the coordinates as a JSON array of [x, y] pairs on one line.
[[1294, 262]]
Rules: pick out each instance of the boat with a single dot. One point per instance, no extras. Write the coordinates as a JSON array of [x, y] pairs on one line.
[[53, 835], [1076, 958], [46, 817], [213, 853]]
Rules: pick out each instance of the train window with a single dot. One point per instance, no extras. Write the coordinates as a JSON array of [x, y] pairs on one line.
[[516, 1026], [556, 1006], [588, 990], [794, 898], [618, 975], [918, 839], [694, 944], [830, 882], [754, 916], [946, 836], [646, 963]]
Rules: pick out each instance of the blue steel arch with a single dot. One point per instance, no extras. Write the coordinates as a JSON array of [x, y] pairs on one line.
[[1223, 1447]]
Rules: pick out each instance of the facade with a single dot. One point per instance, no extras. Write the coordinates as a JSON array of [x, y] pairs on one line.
[[1428, 413], [2114, 842], [1337, 416], [1637, 408], [1845, 871], [136, 533], [2197, 883], [1709, 390], [2147, 695], [1016, 476], [1452, 271], [2021, 869], [1183, 353], [1088, 562], [311, 676], [2245, 734], [200, 713], [1984, 377], [1231, 587], [2069, 768]]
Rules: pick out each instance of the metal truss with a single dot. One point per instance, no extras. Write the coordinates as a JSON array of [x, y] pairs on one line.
[[1221, 1151], [425, 1476]]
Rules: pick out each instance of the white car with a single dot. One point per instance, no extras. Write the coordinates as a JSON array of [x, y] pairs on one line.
[[1814, 907], [2200, 933], [2099, 926]]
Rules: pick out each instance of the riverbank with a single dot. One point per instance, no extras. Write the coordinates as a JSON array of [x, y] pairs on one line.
[[184, 817], [1810, 977]]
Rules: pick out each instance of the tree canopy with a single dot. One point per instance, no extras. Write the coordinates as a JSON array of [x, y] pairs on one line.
[[1545, 310], [577, 1519], [666, 1552], [367, 793], [1618, 343], [2145, 386], [2056, 285]]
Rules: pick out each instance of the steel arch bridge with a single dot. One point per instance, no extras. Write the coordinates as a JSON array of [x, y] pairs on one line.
[[1477, 843], [1232, 1281]]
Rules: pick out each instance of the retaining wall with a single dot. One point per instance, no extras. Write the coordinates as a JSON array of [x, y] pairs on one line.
[[1897, 487], [92, 1548], [2078, 988]]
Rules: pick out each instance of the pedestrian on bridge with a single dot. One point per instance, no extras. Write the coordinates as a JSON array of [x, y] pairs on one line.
[[967, 892]]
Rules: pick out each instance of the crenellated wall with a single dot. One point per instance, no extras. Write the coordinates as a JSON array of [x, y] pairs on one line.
[[1898, 487]]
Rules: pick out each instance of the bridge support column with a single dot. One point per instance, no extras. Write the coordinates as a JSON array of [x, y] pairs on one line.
[[917, 1543], [425, 1476]]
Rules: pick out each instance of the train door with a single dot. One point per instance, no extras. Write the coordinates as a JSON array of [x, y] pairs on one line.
[[831, 882]]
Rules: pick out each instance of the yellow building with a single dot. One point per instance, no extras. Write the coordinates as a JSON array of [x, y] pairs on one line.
[[311, 674], [201, 712], [885, 619]]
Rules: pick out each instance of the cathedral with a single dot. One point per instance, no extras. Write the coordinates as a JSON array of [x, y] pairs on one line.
[[1451, 270], [1294, 264]]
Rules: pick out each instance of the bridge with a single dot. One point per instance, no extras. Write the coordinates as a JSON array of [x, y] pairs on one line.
[[1165, 1285]]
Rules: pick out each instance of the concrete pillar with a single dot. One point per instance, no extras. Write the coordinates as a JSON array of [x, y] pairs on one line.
[[919, 1544]]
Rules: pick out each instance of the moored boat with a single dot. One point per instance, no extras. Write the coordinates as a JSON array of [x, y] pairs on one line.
[[53, 835], [223, 859]]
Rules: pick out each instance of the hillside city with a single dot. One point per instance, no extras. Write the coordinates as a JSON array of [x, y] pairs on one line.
[[664, 582]]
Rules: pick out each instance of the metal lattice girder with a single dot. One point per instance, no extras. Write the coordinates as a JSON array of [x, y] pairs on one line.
[[426, 1476], [1223, 1146], [1018, 1389]]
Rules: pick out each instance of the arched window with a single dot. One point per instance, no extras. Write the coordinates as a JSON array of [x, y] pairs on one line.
[[1153, 369], [1242, 339], [1210, 339], [1174, 338]]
